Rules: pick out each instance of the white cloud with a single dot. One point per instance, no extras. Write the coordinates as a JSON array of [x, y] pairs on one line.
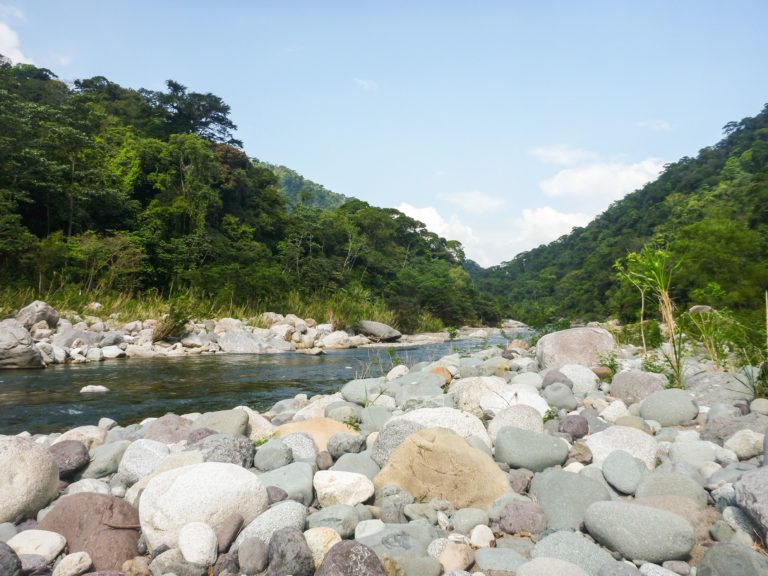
[[655, 125], [9, 11], [474, 202], [10, 47], [365, 84], [600, 183], [452, 229], [562, 154], [543, 225]]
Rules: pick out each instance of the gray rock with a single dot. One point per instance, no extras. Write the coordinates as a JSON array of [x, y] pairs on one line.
[[565, 497], [711, 387], [523, 517], [341, 517], [373, 418], [575, 425], [7, 531], [70, 456], [413, 565], [531, 450], [17, 349], [732, 560], [618, 568], [573, 547], [409, 539], [172, 562], [168, 429], [302, 447], [67, 335], [549, 566], [636, 443], [36, 312], [640, 532], [241, 342], [225, 448], [623, 472], [503, 561], [360, 463], [141, 458], [378, 331], [634, 386], [465, 519], [553, 376], [252, 556], [343, 411], [390, 438], [671, 484], [233, 422], [560, 396], [341, 443], [364, 391], [697, 452], [295, 479], [350, 558], [105, 459], [287, 514], [392, 501], [10, 565], [289, 553], [271, 455], [751, 492], [670, 407], [721, 429]]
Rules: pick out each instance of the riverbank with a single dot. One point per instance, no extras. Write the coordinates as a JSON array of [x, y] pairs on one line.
[[502, 462]]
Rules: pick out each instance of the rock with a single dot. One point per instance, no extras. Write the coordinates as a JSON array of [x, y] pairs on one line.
[[575, 425], [295, 479], [227, 531], [455, 556], [208, 492], [142, 458], [105, 459], [520, 416], [168, 429], [36, 312], [40, 542], [91, 436], [70, 457], [391, 437], [531, 450], [638, 444], [112, 352], [564, 497], [241, 342], [237, 450], [364, 391], [88, 485], [350, 558], [9, 561], [29, 477], [634, 386], [501, 561], [572, 547], [271, 455], [17, 349], [751, 492], [615, 411], [333, 487], [232, 422], [521, 516], [436, 463], [378, 331], [464, 424], [721, 429], [549, 566], [574, 346], [710, 387], [402, 540], [465, 519], [746, 444], [671, 484], [623, 472], [320, 541], [287, 514], [289, 554], [340, 518], [469, 391], [172, 562], [670, 407], [253, 556], [258, 428], [73, 564], [88, 520], [583, 379], [617, 568], [639, 532], [342, 443], [559, 396], [197, 543], [732, 560], [319, 429]]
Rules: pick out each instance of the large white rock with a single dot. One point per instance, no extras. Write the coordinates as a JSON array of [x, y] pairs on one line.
[[29, 477], [462, 423], [338, 339], [574, 346], [513, 395], [519, 416], [142, 458], [631, 440], [584, 380], [745, 444], [198, 544], [91, 436], [209, 492], [285, 514], [17, 349], [468, 391], [348, 488], [41, 542]]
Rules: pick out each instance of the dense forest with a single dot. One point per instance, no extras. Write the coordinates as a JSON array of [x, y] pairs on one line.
[[710, 212], [109, 189]]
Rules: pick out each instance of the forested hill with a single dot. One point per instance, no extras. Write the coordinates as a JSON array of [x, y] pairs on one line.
[[710, 211], [107, 189]]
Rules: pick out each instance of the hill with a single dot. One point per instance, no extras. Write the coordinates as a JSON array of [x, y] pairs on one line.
[[300, 191], [710, 211]]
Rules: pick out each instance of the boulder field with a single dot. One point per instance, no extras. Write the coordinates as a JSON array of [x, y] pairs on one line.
[[499, 463]]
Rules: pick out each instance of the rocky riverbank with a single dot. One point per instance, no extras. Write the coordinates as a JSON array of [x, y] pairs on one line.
[[502, 463], [39, 336]]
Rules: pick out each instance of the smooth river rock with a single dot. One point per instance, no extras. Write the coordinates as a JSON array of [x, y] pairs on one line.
[[29, 478]]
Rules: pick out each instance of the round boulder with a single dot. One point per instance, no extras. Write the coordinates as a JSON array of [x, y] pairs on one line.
[[29, 478], [574, 346], [350, 558], [671, 407]]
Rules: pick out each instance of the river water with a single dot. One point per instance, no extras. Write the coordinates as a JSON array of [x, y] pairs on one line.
[[49, 400]]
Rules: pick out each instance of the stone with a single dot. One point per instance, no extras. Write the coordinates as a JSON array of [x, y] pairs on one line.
[[368, 527], [390, 438], [469, 390], [253, 556], [465, 519], [38, 311], [105, 459], [712, 387], [172, 562], [91, 436], [233, 422], [721, 429], [208, 492], [198, 544], [437, 463], [141, 458], [565, 497], [671, 407], [29, 477], [334, 487], [456, 556], [73, 564], [286, 514], [378, 331], [302, 446], [17, 349], [530, 450], [501, 561], [745, 444], [584, 380], [559, 396], [639, 532], [271, 455], [88, 485], [759, 405], [522, 517], [237, 450], [399, 540], [341, 518], [464, 424], [168, 429], [226, 531], [732, 560], [615, 411], [350, 558], [70, 457], [40, 542], [575, 425], [320, 541], [319, 429], [343, 443], [582, 346], [549, 566], [638, 444], [289, 554], [623, 472], [363, 391], [573, 547], [617, 568], [632, 386], [295, 479], [360, 463], [671, 484], [520, 416], [258, 428], [751, 490]]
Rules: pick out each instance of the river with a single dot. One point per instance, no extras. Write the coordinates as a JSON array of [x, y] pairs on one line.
[[49, 400]]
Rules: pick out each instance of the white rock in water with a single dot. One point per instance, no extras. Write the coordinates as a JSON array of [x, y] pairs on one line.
[[93, 389]]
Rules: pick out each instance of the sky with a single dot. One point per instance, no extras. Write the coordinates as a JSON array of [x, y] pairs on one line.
[[501, 124]]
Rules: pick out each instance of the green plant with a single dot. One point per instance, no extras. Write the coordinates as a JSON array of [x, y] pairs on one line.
[[173, 324], [262, 441], [453, 333], [550, 414], [652, 364], [714, 330], [611, 361], [394, 359], [352, 423]]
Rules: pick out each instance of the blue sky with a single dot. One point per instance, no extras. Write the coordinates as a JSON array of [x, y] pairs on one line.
[[499, 124]]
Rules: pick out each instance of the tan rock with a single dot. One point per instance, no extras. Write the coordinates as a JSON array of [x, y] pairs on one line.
[[456, 556], [320, 429], [444, 373], [320, 540], [91, 436], [437, 463]]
